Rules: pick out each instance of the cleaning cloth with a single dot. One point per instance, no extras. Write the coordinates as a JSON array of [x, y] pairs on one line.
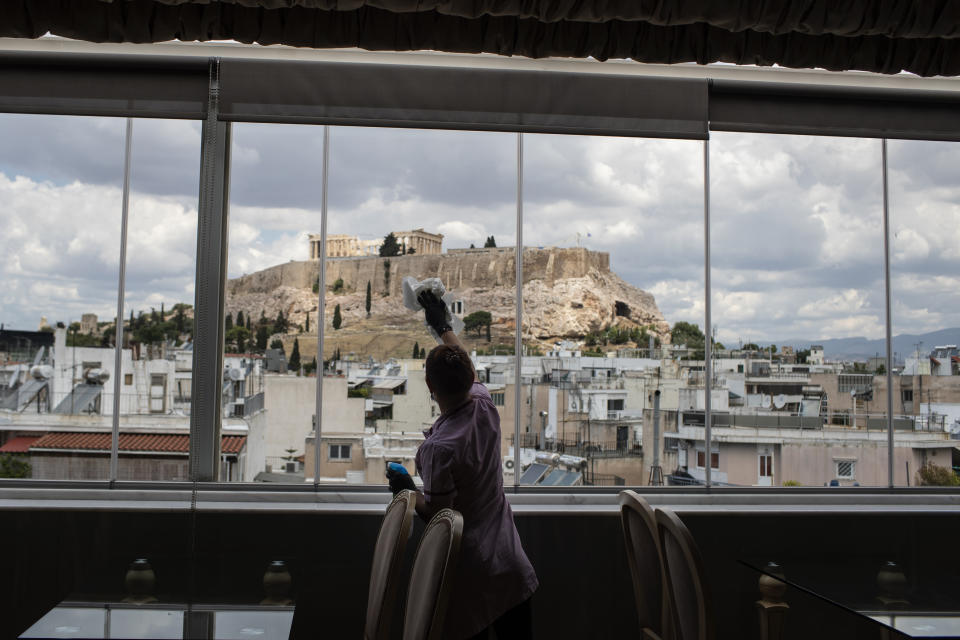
[[411, 288]]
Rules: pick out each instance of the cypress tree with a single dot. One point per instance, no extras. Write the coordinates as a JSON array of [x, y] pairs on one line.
[[368, 301], [416, 349], [294, 363], [337, 319], [308, 322], [228, 323]]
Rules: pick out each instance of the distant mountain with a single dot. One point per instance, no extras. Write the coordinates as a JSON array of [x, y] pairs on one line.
[[862, 348]]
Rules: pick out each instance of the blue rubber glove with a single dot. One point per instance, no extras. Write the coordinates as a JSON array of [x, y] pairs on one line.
[[399, 478]]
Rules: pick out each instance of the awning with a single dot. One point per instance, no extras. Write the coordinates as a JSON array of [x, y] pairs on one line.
[[389, 384], [887, 37]]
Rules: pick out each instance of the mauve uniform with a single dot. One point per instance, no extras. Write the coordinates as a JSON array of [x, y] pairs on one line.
[[460, 458]]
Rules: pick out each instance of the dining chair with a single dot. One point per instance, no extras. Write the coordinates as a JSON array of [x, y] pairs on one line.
[[690, 609], [431, 578], [642, 543], [388, 556]]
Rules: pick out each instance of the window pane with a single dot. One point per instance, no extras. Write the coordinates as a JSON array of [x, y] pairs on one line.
[[417, 204], [798, 293], [613, 235], [161, 268], [925, 263], [60, 202], [269, 386]]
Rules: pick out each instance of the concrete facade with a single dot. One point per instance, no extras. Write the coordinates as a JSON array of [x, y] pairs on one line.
[[287, 418]]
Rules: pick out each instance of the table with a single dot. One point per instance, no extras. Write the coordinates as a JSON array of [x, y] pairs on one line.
[[118, 619], [905, 601]]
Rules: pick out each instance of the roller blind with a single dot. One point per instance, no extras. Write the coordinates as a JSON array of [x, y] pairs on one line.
[[462, 98], [101, 85], [834, 111]]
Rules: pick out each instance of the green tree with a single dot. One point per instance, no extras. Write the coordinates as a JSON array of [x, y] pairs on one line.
[[490, 242], [386, 277], [263, 317], [881, 370], [316, 287], [308, 322], [802, 355], [228, 323], [240, 321], [477, 320], [390, 246], [238, 336], [750, 346], [368, 301], [276, 343], [294, 363], [263, 335], [14, 466], [163, 315], [416, 349], [280, 325], [149, 334], [337, 319], [411, 251], [687, 333], [338, 285], [423, 353]]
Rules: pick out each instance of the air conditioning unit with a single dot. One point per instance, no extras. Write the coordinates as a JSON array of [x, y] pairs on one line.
[[508, 464], [291, 466]]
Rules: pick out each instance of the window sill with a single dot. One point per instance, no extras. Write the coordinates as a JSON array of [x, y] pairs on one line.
[[372, 501]]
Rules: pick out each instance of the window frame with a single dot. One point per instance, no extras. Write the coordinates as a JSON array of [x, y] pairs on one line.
[[340, 449], [215, 171]]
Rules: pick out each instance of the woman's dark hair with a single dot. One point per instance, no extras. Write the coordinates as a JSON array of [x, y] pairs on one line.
[[449, 370]]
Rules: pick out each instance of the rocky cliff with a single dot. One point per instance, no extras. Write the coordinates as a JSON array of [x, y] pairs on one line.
[[566, 292]]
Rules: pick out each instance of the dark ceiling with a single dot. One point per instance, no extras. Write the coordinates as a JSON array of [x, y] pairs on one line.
[[883, 36]]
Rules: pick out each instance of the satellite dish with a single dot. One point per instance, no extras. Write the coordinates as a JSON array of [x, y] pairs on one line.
[[780, 401], [235, 374]]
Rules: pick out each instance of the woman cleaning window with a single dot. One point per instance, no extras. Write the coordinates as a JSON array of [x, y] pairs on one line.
[[459, 463]]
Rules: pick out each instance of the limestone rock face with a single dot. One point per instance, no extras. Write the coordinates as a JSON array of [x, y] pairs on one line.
[[566, 292]]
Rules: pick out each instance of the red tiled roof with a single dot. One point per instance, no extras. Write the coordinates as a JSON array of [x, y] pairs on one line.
[[19, 444], [168, 443]]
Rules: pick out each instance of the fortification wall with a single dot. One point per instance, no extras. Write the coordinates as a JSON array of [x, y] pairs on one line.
[[458, 270]]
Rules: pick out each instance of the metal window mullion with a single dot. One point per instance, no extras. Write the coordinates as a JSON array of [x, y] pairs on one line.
[[518, 336], [321, 303], [121, 290], [708, 333], [889, 322], [205, 413]]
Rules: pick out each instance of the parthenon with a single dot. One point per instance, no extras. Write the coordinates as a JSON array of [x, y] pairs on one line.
[[343, 245]]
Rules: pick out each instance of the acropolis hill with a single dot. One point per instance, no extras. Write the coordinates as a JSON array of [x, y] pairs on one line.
[[566, 292]]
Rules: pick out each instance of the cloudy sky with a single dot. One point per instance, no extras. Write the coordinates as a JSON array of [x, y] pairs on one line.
[[796, 221]]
